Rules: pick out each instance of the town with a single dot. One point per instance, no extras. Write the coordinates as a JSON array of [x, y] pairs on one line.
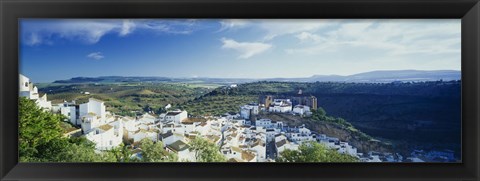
[[240, 136]]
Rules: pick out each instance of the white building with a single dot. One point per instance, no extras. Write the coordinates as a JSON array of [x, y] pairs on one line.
[[176, 116], [247, 110], [28, 90], [107, 136], [301, 110], [93, 106], [281, 105], [142, 134], [170, 138], [267, 123], [182, 150], [69, 110], [259, 147]]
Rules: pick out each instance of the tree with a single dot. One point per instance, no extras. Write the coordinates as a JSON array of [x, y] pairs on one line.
[[84, 153], [206, 151], [39, 132], [41, 138], [122, 154], [154, 152], [314, 152]]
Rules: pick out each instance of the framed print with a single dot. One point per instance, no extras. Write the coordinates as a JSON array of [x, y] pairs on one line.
[[278, 90]]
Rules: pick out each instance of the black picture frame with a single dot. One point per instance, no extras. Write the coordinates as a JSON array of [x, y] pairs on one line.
[[467, 10]]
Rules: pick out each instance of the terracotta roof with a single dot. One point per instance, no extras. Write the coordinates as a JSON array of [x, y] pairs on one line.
[[235, 160], [213, 138], [236, 149], [258, 142], [248, 156], [106, 127]]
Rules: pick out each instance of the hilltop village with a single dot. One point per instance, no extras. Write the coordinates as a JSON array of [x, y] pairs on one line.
[[240, 136]]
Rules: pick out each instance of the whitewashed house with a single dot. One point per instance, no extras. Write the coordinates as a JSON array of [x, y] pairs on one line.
[[176, 116], [106, 136], [237, 153], [170, 138], [130, 126], [301, 110], [141, 134], [283, 145], [69, 110], [28, 90], [93, 106], [281, 105], [182, 150], [250, 109], [259, 147]]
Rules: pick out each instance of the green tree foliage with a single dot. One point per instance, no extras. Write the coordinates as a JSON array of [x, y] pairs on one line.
[[206, 151], [123, 154], [41, 138], [314, 152], [154, 152], [321, 115]]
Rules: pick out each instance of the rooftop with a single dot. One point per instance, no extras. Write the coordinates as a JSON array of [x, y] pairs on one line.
[[248, 156], [178, 146], [281, 143], [235, 160], [105, 127], [173, 113]]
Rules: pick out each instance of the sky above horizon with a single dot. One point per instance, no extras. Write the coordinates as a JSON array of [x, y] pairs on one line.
[[57, 49]]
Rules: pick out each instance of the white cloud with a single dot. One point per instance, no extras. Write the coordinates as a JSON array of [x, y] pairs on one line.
[[306, 37], [228, 24], [246, 49], [276, 28], [127, 27], [90, 31], [33, 39], [96, 55], [395, 37]]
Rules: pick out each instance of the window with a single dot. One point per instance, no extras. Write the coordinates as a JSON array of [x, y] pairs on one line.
[[26, 84], [111, 142]]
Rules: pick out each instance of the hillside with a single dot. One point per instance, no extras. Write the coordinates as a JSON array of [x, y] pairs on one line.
[[128, 98], [423, 115]]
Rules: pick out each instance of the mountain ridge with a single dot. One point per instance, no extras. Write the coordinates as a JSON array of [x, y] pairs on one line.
[[377, 76]]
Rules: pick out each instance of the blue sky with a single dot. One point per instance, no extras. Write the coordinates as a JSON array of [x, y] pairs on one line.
[[54, 49]]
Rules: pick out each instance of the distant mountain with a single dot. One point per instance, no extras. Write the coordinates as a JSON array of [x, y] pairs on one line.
[[380, 76], [403, 76]]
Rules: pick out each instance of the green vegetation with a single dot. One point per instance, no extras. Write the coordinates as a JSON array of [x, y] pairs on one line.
[[127, 99], [216, 105], [314, 152], [320, 115], [41, 138], [154, 152], [206, 151]]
